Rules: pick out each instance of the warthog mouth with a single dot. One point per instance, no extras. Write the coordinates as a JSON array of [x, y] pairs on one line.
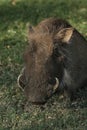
[[22, 84]]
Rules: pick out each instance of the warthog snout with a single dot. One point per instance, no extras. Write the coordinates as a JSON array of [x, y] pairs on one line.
[[42, 97]]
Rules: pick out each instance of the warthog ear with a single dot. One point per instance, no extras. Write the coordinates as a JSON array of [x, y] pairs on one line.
[[64, 35], [31, 30]]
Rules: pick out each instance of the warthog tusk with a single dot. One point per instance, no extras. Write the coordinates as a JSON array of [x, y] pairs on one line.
[[19, 83], [56, 85], [18, 79]]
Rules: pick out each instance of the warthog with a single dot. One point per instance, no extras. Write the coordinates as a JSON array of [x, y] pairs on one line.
[[56, 58]]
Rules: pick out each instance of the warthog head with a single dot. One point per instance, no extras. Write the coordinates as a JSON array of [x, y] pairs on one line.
[[43, 59]]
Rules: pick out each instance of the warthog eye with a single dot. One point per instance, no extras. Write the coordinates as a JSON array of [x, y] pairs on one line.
[[56, 52]]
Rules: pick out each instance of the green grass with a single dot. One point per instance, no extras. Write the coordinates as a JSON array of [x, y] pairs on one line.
[[15, 114]]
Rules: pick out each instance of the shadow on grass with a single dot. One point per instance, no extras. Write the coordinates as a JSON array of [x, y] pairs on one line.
[[35, 10], [26, 11]]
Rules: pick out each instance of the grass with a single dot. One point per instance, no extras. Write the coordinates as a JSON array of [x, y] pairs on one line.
[[15, 113]]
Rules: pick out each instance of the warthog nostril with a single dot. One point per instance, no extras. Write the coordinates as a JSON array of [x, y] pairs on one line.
[[39, 103]]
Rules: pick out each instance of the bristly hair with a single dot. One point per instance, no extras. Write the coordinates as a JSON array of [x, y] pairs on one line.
[[52, 25]]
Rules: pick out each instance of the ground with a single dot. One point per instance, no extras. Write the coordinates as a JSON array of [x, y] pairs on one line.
[[15, 112]]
